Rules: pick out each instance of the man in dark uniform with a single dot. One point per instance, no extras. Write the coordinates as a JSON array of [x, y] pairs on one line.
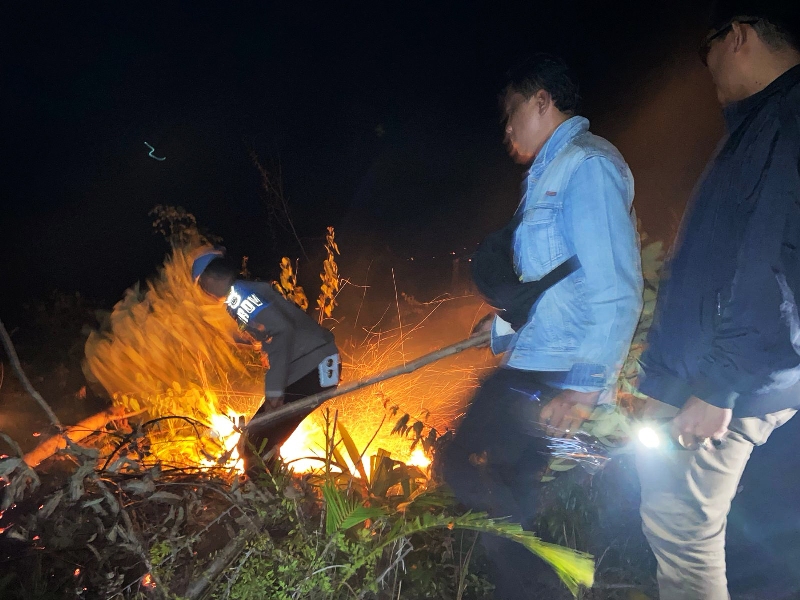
[[303, 358]]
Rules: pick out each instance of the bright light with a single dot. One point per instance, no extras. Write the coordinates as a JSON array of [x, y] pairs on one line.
[[649, 437], [223, 428], [418, 459], [301, 447]]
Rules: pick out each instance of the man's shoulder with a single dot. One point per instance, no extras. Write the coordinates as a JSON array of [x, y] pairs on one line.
[[589, 145], [261, 289]]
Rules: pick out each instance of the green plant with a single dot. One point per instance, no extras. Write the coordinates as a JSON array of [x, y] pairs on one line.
[[652, 264]]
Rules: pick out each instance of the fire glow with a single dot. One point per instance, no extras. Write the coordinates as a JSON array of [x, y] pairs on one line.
[[170, 352], [224, 429]]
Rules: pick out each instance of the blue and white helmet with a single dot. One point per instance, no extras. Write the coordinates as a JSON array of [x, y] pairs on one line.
[[203, 260]]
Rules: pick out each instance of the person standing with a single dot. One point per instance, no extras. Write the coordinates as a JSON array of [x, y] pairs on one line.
[[572, 301], [723, 356]]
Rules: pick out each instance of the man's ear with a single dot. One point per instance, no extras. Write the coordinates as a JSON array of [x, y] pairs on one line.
[[740, 34], [543, 101]]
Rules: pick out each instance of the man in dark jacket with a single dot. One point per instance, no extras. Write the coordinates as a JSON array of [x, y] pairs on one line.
[[303, 358], [724, 352]]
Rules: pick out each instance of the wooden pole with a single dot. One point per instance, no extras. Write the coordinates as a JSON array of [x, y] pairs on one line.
[[306, 405], [75, 433]]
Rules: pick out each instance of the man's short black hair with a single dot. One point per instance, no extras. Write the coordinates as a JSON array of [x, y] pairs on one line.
[[776, 21], [217, 278], [775, 36], [549, 73]]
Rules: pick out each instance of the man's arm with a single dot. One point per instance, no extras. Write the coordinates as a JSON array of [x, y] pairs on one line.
[[757, 334], [754, 336], [605, 241], [755, 339], [278, 336], [502, 334]]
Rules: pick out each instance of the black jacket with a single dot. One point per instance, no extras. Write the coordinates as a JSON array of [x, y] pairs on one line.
[[726, 326], [293, 341]]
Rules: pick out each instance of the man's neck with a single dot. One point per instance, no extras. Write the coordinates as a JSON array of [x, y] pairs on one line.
[[556, 121], [768, 70]]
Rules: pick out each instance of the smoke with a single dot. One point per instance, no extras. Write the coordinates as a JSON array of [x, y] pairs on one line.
[[667, 139]]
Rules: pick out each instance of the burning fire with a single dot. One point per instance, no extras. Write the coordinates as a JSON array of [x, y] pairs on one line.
[[171, 352], [225, 429], [147, 582], [418, 459]]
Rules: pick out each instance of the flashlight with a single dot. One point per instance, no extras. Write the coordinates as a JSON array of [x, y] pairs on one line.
[[649, 437], [657, 437]]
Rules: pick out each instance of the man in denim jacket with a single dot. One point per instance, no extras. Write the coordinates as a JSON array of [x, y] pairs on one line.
[[577, 202]]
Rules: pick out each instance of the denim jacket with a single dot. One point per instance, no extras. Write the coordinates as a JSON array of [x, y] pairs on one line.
[[577, 201]]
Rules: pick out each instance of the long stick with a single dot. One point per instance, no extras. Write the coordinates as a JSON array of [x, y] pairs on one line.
[[75, 433], [306, 405], [200, 587]]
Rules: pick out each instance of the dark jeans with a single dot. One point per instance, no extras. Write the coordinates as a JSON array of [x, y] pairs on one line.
[[494, 464], [276, 435]]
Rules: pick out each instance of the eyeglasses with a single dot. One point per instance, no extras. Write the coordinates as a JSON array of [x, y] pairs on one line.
[[705, 45]]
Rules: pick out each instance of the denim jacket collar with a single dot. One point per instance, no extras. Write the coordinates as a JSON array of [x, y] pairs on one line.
[[564, 133]]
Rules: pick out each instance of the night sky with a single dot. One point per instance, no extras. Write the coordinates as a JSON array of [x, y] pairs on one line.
[[382, 117]]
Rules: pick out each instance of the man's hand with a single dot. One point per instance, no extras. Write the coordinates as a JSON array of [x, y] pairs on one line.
[[483, 326], [698, 421], [565, 413], [274, 401]]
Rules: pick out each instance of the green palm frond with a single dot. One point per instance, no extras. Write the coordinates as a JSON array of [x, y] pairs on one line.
[[386, 472], [574, 568], [343, 513], [352, 450]]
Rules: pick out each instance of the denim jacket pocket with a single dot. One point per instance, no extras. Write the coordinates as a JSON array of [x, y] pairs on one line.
[[539, 245]]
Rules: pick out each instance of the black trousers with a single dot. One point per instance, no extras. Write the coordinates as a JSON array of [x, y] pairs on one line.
[[494, 464], [275, 436]]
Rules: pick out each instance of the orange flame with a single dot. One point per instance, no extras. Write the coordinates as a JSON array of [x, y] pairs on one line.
[[170, 352], [224, 429], [147, 582]]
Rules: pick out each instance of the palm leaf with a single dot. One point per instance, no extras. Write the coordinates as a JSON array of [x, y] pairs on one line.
[[574, 568], [342, 514], [352, 451]]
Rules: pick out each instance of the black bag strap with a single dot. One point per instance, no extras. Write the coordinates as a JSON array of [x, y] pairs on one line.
[[568, 267], [517, 303]]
